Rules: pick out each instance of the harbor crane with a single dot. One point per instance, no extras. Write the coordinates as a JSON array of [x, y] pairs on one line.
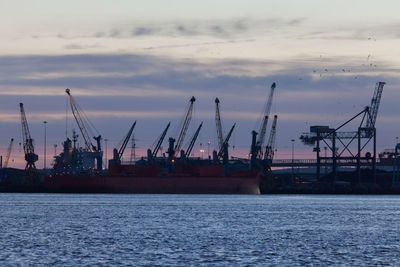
[[269, 149], [373, 108], [153, 154], [193, 141], [83, 123], [257, 153], [8, 153], [29, 149], [84, 126], [184, 129], [218, 124], [221, 142], [117, 153], [222, 150]]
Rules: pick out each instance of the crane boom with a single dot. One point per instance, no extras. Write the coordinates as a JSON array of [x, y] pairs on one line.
[[29, 149], [185, 126], [194, 138], [160, 140], [375, 101], [125, 142], [81, 124], [269, 150], [263, 128], [218, 124], [8, 153], [225, 143]]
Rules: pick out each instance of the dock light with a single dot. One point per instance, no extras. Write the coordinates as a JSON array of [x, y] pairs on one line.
[[172, 160]]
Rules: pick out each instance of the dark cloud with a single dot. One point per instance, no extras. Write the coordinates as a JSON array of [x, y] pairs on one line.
[[218, 30], [108, 83], [241, 25], [236, 28], [186, 29], [80, 47], [295, 22], [99, 34], [140, 31], [73, 46], [198, 44], [114, 33]]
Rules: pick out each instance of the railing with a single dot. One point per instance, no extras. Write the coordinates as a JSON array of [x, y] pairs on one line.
[[328, 161]]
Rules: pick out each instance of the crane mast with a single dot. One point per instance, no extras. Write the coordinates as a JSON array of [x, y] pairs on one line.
[[81, 124], [184, 127], [269, 150], [218, 124], [118, 153], [225, 143], [193, 140], [160, 140], [8, 153], [375, 101], [29, 150], [263, 128]]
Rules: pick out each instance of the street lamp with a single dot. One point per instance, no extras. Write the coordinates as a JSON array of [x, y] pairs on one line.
[[45, 137], [209, 143], [55, 150]]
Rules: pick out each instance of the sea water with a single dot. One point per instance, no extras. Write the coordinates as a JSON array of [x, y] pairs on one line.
[[198, 230]]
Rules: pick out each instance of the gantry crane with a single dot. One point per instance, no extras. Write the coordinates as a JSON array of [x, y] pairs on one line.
[[8, 153], [368, 132], [117, 154], [193, 141], [185, 126], [269, 149], [29, 150], [263, 127]]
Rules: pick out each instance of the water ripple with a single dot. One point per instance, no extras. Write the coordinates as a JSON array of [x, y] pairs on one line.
[[198, 230]]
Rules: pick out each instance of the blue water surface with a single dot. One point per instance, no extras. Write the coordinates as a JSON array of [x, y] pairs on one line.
[[198, 230]]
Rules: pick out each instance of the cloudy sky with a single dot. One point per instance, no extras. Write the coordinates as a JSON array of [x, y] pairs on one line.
[[143, 60]]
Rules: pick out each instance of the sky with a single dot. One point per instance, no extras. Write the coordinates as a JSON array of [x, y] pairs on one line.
[[142, 61]]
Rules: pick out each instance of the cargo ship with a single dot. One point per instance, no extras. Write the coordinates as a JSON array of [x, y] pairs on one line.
[[80, 169], [74, 172], [151, 180]]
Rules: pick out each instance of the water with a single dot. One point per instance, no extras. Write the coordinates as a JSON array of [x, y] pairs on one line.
[[198, 230]]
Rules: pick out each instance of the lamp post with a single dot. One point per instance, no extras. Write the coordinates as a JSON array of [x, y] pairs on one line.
[[105, 165], [55, 150], [292, 160], [45, 137], [209, 143]]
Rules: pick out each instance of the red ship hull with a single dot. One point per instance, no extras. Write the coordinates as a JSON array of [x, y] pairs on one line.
[[203, 181]]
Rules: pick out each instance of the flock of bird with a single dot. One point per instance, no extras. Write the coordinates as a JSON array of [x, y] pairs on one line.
[[369, 63]]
